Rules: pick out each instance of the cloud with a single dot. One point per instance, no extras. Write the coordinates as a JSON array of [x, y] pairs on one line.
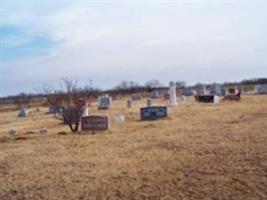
[[138, 40]]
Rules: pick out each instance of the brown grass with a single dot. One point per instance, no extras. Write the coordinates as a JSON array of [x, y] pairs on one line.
[[200, 152]]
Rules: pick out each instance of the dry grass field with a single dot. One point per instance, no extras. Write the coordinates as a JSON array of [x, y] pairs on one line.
[[201, 151]]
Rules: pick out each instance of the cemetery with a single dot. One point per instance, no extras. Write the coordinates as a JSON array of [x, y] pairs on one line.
[[133, 100], [128, 143]]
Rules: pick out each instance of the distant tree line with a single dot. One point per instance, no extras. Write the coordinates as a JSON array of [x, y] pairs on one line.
[[248, 81], [90, 92]]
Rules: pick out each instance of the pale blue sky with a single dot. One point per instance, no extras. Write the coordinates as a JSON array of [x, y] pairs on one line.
[[111, 41]]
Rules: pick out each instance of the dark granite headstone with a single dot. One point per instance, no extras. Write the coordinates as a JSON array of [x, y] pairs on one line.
[[154, 112], [95, 123], [205, 98]]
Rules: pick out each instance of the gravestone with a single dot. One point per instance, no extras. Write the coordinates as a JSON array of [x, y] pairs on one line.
[[183, 98], [22, 112], [129, 103], [172, 93], [205, 91], [232, 97], [85, 110], [104, 102], [261, 89], [149, 102], [51, 110], [95, 123], [119, 119], [154, 94], [205, 98], [216, 99], [216, 89], [152, 113], [232, 90]]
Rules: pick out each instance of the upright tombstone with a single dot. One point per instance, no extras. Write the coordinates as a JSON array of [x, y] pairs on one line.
[[22, 112], [205, 98], [149, 102], [154, 94], [261, 89], [216, 99], [129, 103], [152, 113], [205, 91], [85, 110], [104, 102], [172, 93], [216, 89], [183, 98], [95, 123], [51, 110]]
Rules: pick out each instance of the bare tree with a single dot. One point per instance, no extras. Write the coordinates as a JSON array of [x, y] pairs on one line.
[[22, 100], [127, 87], [153, 83], [68, 102]]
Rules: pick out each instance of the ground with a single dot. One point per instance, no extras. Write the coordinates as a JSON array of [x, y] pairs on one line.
[[201, 151]]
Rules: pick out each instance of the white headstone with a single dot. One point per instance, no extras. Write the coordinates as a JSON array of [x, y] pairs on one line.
[[172, 93], [183, 98], [205, 92], [51, 110], [120, 119], [85, 110], [216, 99]]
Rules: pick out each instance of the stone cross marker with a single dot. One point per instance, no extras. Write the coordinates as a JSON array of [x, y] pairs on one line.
[[95, 123], [152, 113]]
